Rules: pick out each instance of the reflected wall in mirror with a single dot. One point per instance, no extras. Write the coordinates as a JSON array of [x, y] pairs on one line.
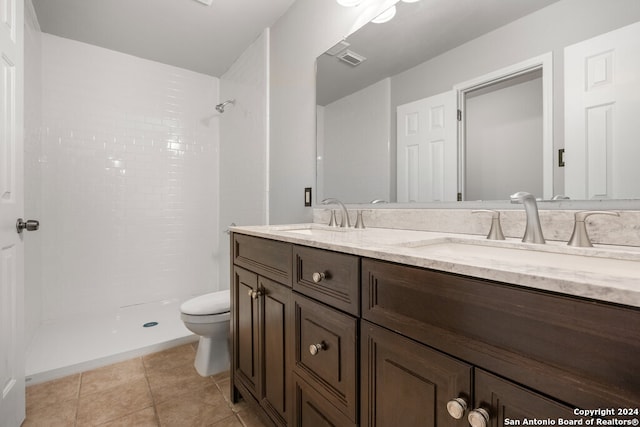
[[433, 45]]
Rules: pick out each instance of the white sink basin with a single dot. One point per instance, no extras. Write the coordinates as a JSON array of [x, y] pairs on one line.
[[317, 230], [536, 257]]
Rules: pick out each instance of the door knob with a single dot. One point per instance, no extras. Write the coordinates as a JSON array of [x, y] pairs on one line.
[[29, 225]]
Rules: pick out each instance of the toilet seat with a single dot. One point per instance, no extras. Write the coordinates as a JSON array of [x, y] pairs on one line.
[[207, 304]]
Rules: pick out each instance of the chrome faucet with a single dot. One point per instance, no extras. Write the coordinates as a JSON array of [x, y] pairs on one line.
[[533, 231], [344, 222]]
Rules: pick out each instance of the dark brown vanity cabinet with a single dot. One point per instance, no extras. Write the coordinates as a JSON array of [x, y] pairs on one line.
[[261, 325], [322, 338], [528, 354]]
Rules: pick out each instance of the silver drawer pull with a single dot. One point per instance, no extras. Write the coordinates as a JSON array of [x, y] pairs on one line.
[[318, 277], [254, 294], [478, 418], [316, 348], [456, 407]]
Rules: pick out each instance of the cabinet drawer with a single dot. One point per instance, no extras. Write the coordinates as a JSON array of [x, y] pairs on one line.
[[329, 277], [310, 409], [268, 258], [331, 366], [512, 330]]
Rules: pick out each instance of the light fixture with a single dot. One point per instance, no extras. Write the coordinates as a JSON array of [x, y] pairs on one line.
[[349, 3], [385, 16], [205, 2], [410, 1]]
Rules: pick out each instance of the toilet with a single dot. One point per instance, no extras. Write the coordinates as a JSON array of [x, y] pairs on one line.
[[208, 316]]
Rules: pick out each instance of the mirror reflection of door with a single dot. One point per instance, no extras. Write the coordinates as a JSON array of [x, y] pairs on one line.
[[503, 125], [427, 149], [602, 82]]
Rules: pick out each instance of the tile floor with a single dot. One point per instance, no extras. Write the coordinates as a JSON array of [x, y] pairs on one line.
[[160, 389]]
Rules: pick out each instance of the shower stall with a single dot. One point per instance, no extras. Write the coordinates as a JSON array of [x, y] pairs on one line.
[[121, 169]]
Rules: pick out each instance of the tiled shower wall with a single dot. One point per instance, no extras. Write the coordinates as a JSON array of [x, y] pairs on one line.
[[129, 180]]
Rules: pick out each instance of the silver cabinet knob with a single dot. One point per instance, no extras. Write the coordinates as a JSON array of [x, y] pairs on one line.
[[316, 348], [478, 418], [456, 407], [318, 277], [29, 225], [254, 294]]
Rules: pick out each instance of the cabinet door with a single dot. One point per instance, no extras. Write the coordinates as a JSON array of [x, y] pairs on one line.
[[277, 338], [312, 410], [408, 384], [246, 352], [507, 404]]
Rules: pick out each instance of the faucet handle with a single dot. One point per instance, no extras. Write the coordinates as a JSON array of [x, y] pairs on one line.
[[495, 233], [333, 222], [579, 237], [359, 221]]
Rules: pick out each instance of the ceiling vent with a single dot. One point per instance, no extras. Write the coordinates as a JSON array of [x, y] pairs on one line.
[[351, 58], [339, 47]]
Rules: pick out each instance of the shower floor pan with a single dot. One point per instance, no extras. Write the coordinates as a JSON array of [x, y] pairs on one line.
[[74, 345]]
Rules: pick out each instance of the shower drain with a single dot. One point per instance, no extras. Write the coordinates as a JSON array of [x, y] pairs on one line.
[[149, 324]]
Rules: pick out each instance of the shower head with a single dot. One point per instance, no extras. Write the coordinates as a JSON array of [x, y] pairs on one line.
[[220, 107]]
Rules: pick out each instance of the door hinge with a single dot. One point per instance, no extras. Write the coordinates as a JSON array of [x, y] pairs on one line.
[[459, 197], [459, 115], [561, 158]]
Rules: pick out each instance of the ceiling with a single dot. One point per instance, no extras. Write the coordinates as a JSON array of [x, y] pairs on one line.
[[183, 33], [419, 32]]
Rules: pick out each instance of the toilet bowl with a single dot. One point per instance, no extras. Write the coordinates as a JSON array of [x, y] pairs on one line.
[[208, 316]]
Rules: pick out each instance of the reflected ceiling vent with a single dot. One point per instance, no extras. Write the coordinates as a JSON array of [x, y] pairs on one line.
[[339, 47], [351, 58]]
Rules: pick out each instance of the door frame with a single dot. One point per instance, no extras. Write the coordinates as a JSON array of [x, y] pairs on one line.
[[544, 63]]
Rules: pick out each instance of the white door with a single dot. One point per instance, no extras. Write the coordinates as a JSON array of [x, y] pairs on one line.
[[12, 386], [602, 133], [427, 149]]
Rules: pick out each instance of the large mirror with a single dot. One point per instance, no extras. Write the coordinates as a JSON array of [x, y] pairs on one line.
[[514, 95]]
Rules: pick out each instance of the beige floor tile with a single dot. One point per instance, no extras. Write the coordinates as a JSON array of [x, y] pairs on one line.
[[225, 388], [59, 414], [193, 410], [165, 389], [174, 376], [181, 355], [51, 392], [232, 421], [117, 402], [250, 419], [115, 375], [222, 376], [144, 418]]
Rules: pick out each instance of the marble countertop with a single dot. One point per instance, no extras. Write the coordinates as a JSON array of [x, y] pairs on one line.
[[606, 273]]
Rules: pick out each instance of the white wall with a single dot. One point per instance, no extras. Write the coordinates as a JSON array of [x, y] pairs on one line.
[[244, 141], [32, 170], [130, 180], [355, 146], [306, 30]]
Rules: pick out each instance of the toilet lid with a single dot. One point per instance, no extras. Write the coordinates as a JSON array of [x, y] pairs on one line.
[[213, 303]]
